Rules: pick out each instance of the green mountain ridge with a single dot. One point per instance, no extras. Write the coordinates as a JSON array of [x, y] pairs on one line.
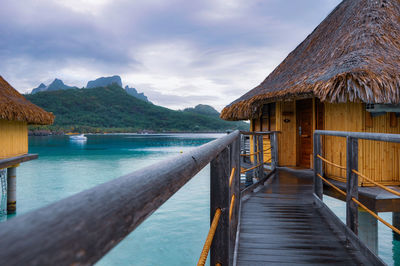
[[111, 109], [202, 109]]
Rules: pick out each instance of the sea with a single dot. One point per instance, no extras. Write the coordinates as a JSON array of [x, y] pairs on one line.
[[175, 233]]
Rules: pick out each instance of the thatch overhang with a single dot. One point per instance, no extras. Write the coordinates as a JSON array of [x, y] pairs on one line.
[[353, 55], [14, 107]]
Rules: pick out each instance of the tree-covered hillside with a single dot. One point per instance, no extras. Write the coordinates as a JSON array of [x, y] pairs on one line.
[[111, 109]]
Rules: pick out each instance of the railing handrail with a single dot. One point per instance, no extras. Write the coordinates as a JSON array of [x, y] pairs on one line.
[[258, 132], [361, 135], [82, 228]]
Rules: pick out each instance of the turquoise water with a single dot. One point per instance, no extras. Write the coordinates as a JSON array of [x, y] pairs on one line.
[[173, 235]]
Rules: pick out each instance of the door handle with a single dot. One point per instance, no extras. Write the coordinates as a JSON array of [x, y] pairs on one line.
[[299, 131]]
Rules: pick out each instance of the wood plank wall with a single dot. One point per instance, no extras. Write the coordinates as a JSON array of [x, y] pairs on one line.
[[377, 160], [13, 138]]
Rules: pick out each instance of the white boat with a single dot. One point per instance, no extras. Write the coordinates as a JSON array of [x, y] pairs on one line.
[[78, 137]]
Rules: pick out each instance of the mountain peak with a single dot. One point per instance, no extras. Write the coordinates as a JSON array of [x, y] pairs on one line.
[[133, 92], [104, 82], [203, 109], [58, 84], [57, 81]]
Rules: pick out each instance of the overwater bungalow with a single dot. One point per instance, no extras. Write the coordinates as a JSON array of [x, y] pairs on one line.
[[344, 76], [16, 113], [329, 106]]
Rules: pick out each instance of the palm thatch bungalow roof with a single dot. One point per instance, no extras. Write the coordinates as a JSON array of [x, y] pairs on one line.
[[14, 107], [353, 55]]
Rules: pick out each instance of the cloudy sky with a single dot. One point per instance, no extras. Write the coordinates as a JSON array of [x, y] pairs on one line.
[[178, 52]]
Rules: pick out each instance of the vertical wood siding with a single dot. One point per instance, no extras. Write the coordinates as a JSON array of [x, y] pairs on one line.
[[13, 138], [377, 160]]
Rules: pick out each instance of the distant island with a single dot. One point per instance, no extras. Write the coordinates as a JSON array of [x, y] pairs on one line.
[[111, 108], [58, 84]]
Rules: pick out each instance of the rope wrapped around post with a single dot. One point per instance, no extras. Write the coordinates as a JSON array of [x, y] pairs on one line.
[[231, 177], [362, 206], [209, 239], [231, 207]]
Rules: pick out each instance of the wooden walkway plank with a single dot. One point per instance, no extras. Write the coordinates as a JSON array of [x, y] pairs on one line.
[[281, 226]]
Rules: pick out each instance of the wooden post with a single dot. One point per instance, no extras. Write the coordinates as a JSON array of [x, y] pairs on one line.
[[274, 150], [352, 184], [234, 190], [255, 157], [219, 198], [11, 190], [368, 230], [396, 223], [261, 156], [318, 168]]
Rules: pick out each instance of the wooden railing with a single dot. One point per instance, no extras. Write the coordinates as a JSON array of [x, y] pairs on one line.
[[351, 167], [82, 228], [351, 192], [226, 195]]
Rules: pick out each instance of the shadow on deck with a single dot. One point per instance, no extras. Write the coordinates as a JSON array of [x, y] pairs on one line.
[[281, 224]]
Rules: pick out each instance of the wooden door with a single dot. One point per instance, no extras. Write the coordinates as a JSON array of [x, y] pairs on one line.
[[304, 132]]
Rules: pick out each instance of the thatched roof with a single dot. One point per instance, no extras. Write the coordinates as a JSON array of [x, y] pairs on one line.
[[353, 55], [14, 106]]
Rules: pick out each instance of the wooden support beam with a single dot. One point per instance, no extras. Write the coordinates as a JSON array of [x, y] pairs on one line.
[[261, 156], [11, 190], [352, 184], [219, 198], [4, 163], [255, 156], [274, 150], [318, 168], [234, 190]]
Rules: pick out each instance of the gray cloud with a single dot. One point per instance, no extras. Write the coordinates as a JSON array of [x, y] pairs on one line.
[[178, 52]]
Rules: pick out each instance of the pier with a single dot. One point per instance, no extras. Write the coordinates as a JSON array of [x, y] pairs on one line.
[[279, 219], [282, 224]]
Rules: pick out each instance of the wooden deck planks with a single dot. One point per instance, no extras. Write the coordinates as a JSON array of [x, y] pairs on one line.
[[280, 226]]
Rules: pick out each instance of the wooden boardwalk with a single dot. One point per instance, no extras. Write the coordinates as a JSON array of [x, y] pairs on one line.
[[279, 225]]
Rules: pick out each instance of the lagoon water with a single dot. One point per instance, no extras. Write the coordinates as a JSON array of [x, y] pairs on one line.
[[174, 234]]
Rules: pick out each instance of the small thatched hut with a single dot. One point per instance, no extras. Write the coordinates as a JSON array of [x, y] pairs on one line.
[[344, 76], [15, 115]]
